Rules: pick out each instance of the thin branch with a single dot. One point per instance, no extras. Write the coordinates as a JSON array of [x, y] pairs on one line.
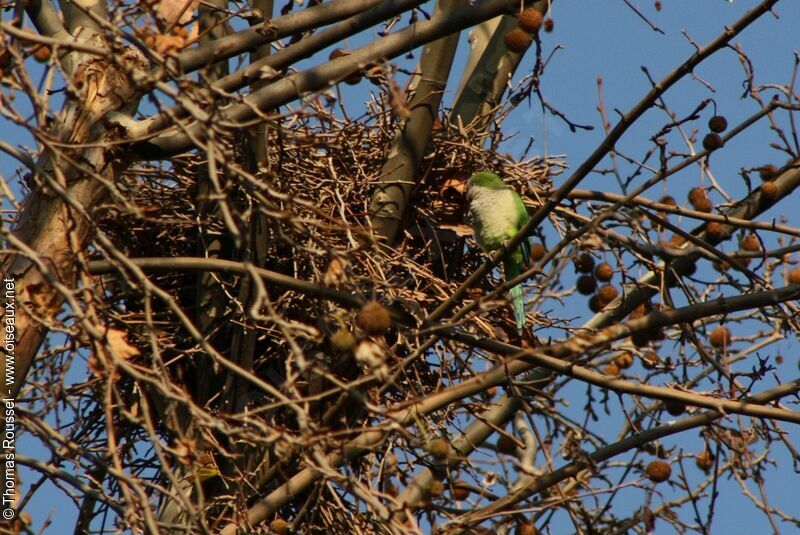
[[605, 146], [294, 86], [571, 349], [612, 450], [271, 30], [279, 61]]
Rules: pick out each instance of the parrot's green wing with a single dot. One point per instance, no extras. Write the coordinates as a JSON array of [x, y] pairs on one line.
[[513, 269], [520, 257], [521, 222]]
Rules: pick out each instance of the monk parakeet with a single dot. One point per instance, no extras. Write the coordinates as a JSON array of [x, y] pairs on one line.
[[498, 213]]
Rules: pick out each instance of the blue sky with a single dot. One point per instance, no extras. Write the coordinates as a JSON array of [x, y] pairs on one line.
[[606, 38]]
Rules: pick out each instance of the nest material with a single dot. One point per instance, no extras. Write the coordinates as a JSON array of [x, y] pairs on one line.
[[309, 205], [303, 214]]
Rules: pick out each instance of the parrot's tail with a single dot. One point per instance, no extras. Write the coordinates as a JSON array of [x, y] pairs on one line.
[[512, 270]]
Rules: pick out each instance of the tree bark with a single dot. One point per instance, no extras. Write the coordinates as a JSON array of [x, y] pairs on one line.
[[54, 224]]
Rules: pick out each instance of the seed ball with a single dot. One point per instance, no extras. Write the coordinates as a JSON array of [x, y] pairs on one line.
[[343, 341], [704, 460], [549, 24], [604, 272], [607, 293], [696, 194], [741, 261], [435, 488], [624, 360], [640, 338], [715, 232], [279, 526], [658, 471], [373, 318], [769, 192], [650, 360], [438, 447], [699, 200], [721, 266], [531, 20], [794, 276], [768, 172], [595, 305], [460, 491], [526, 528], [506, 444], [656, 335], [586, 284], [685, 268], [669, 200], [584, 263], [718, 124], [751, 243], [42, 53], [712, 141], [704, 205], [720, 337], [537, 251], [675, 407], [612, 370], [518, 40]]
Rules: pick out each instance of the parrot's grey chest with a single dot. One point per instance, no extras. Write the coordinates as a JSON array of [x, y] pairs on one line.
[[494, 213]]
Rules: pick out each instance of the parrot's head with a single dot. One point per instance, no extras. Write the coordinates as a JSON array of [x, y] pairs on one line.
[[485, 179]]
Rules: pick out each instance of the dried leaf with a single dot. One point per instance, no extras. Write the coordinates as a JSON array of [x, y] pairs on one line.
[[119, 345], [185, 450], [177, 10], [336, 274], [460, 230], [42, 300]]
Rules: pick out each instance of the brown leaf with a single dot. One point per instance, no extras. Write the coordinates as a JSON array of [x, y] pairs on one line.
[[460, 230], [185, 450], [171, 10], [119, 345], [336, 274], [42, 299]]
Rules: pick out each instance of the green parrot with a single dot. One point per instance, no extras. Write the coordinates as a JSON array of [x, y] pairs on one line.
[[498, 213]]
